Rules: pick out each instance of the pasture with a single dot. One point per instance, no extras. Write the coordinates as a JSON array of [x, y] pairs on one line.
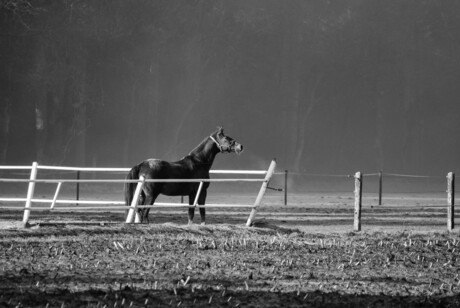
[[301, 254]]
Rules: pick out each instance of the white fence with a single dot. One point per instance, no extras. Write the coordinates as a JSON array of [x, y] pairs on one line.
[[358, 192], [132, 213]]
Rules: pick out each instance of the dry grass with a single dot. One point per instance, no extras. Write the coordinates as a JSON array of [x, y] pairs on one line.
[[296, 255]]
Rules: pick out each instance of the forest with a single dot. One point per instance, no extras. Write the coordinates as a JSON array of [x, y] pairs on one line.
[[323, 86]]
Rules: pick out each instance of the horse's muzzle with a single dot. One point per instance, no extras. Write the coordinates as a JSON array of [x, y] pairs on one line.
[[238, 148]]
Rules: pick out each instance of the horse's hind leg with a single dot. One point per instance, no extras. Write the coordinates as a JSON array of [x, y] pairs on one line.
[[150, 198]]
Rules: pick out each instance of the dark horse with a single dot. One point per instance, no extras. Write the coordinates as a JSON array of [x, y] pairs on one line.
[[195, 165]]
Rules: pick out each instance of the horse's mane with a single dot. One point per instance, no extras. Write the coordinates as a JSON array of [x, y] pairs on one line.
[[201, 144], [219, 131]]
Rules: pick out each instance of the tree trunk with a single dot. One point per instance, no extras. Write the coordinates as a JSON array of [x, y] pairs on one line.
[[153, 112], [128, 146], [191, 92], [41, 125], [411, 126], [289, 86], [304, 111], [5, 112], [80, 118]]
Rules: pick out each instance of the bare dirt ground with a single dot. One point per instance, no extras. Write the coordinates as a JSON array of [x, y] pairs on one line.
[[302, 254]]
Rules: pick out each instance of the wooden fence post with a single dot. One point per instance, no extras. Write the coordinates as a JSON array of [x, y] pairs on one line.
[[358, 200], [78, 187], [262, 190], [285, 186], [30, 192], [197, 197], [380, 186], [56, 195], [133, 208], [450, 201]]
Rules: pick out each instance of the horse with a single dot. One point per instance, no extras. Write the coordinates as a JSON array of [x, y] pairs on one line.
[[195, 165]]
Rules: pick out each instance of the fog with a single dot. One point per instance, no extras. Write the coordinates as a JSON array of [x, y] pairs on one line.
[[327, 87]]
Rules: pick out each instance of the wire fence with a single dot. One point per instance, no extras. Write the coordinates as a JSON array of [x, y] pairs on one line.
[[302, 189], [377, 182], [283, 183]]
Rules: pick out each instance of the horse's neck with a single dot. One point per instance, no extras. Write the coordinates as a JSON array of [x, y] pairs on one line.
[[205, 152]]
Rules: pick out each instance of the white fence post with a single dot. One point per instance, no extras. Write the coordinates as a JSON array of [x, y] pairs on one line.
[[450, 201], [30, 192], [137, 217], [195, 203], [262, 190], [137, 193], [358, 200], [56, 194]]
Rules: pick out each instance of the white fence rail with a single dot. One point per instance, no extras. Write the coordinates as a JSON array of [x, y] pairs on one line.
[[132, 213]]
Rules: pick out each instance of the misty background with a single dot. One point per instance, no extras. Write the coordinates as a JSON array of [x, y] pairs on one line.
[[323, 86]]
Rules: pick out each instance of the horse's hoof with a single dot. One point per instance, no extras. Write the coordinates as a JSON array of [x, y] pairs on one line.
[[190, 223], [203, 223]]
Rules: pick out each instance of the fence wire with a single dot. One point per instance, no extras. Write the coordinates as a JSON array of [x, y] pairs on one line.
[[281, 187]]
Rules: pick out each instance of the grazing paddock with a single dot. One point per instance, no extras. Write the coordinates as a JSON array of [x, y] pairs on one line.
[[304, 253]]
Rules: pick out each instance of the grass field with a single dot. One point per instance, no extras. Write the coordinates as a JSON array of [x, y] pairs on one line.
[[302, 254]]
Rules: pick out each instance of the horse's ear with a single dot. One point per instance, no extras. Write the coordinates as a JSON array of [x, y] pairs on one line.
[[220, 130]]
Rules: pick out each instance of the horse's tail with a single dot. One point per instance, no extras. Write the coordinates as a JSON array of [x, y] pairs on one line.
[[130, 187]]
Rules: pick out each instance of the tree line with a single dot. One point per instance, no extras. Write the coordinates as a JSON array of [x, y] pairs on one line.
[[321, 85]]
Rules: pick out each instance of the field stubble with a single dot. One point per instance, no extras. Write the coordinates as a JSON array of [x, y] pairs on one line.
[[303, 254]]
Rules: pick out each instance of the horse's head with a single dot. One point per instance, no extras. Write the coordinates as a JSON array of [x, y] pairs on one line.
[[225, 144]]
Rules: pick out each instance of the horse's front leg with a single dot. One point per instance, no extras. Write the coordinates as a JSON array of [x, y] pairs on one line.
[[201, 202], [191, 209]]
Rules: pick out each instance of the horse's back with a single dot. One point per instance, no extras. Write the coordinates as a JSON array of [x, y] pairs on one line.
[[160, 169], [154, 168]]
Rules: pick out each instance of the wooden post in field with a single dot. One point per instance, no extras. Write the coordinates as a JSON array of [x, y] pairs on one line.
[[358, 200], [262, 190], [450, 201], [380, 186], [30, 192], [285, 186], [56, 195], [78, 186], [197, 197], [133, 207]]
